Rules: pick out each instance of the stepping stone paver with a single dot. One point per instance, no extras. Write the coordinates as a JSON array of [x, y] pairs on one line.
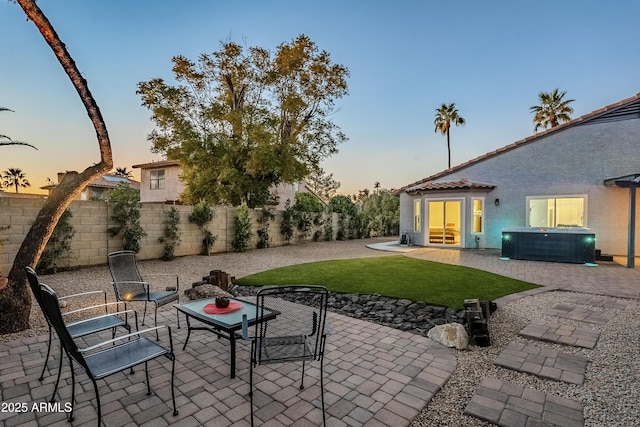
[[562, 334], [509, 405], [580, 314], [596, 301], [545, 363]]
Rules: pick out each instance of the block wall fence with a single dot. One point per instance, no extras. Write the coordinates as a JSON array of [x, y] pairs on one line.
[[91, 242]]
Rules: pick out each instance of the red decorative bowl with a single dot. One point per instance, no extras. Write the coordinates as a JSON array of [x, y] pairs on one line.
[[222, 302]]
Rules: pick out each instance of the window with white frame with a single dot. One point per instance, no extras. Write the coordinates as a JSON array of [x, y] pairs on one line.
[[416, 215], [156, 178], [477, 204], [558, 211]]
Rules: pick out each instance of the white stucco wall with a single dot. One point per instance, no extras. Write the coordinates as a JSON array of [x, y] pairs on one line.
[[573, 161]]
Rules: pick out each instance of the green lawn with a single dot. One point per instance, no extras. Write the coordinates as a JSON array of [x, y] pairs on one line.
[[397, 277]]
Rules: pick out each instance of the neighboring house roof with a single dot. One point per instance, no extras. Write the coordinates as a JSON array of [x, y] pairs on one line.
[[111, 181], [619, 111], [158, 164], [106, 181], [463, 184]]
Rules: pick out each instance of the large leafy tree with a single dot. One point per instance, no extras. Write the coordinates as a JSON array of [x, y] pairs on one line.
[[447, 115], [381, 214], [15, 298], [552, 111], [14, 177], [322, 184], [243, 120]]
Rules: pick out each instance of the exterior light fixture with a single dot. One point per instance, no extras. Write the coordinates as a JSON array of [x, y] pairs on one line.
[[497, 202]]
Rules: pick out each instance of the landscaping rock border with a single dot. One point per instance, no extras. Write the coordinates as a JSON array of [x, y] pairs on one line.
[[403, 314]]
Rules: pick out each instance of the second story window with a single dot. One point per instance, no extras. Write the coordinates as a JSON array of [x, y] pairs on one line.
[[157, 179]]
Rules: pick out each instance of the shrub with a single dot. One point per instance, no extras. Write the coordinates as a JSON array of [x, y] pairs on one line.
[[171, 235], [59, 245], [126, 215], [307, 212], [242, 227], [203, 214], [328, 229], [381, 214], [265, 218], [286, 226]]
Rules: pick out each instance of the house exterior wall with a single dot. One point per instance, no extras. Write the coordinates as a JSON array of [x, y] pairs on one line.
[[288, 192], [469, 239], [173, 187], [574, 161]]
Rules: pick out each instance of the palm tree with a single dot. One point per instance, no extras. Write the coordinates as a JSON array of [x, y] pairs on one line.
[[123, 172], [445, 116], [14, 177], [552, 111], [376, 186], [12, 142]]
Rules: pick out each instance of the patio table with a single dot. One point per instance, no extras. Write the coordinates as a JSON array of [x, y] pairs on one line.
[[225, 326]]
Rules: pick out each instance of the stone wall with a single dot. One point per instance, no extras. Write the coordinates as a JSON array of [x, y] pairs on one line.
[[92, 242]]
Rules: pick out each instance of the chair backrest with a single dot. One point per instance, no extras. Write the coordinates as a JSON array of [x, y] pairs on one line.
[[51, 308], [34, 284], [303, 312], [125, 274]]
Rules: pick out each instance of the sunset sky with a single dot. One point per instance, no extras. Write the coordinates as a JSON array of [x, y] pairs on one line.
[[491, 58]]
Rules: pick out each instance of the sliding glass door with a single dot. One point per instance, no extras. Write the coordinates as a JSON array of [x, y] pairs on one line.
[[445, 222]]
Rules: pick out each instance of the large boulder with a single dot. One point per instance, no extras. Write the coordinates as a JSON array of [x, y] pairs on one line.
[[450, 335], [206, 291]]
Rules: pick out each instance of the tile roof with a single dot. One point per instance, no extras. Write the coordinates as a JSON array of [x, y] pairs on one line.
[[112, 181], [158, 164], [572, 123], [105, 181], [462, 184]]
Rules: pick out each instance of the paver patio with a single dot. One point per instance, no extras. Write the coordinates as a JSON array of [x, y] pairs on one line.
[[374, 376]]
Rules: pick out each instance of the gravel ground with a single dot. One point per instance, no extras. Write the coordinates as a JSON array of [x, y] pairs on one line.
[[609, 395], [190, 269], [610, 392]]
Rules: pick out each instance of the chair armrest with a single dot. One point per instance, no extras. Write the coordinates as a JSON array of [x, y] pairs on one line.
[[94, 307], [133, 334], [91, 319], [124, 282], [82, 294], [177, 287]]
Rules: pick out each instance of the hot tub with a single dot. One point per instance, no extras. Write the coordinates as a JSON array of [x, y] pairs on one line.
[[570, 244]]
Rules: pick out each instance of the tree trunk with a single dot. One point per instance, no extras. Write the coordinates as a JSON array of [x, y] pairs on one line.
[[449, 149], [15, 299]]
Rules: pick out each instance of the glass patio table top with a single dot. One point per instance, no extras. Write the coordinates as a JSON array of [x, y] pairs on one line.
[[224, 325]]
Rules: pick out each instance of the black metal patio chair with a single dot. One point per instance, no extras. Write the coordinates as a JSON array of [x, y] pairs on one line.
[[86, 326], [108, 357], [129, 285], [297, 334]]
